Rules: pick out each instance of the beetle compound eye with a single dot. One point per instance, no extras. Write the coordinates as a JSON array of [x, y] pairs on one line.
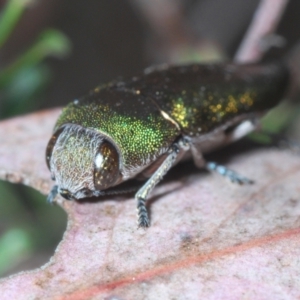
[[106, 166], [51, 145]]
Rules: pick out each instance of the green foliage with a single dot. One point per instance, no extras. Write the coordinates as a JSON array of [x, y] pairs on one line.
[[10, 17], [25, 78], [277, 121], [28, 225]]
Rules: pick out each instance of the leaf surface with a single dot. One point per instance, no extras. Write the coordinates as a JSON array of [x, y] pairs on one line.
[[209, 239]]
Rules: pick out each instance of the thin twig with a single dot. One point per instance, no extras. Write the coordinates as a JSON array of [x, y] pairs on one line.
[[264, 23]]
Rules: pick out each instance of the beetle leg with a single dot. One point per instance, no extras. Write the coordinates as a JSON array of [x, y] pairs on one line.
[[143, 192], [232, 175], [214, 167], [198, 158], [53, 193]]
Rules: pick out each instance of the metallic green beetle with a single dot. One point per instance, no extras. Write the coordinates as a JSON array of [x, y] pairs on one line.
[[144, 126]]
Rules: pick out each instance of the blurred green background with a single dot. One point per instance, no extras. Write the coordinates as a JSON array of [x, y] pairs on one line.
[[29, 230], [54, 51]]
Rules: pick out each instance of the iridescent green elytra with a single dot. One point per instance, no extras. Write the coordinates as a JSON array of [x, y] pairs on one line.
[[145, 125]]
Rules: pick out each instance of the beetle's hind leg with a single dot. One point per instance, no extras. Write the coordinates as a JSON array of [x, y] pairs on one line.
[[215, 167], [228, 173], [143, 192]]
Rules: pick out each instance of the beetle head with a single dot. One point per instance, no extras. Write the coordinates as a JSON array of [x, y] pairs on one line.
[[82, 162]]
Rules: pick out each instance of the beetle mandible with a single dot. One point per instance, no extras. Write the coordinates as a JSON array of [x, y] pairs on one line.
[[145, 125]]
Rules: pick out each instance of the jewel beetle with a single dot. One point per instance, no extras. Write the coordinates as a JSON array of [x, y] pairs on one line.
[[145, 125]]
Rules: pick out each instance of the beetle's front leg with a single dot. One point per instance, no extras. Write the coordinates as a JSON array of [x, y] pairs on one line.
[[143, 192], [52, 195]]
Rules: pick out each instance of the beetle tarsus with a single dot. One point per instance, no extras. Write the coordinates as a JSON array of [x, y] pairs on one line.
[[230, 174], [143, 219]]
